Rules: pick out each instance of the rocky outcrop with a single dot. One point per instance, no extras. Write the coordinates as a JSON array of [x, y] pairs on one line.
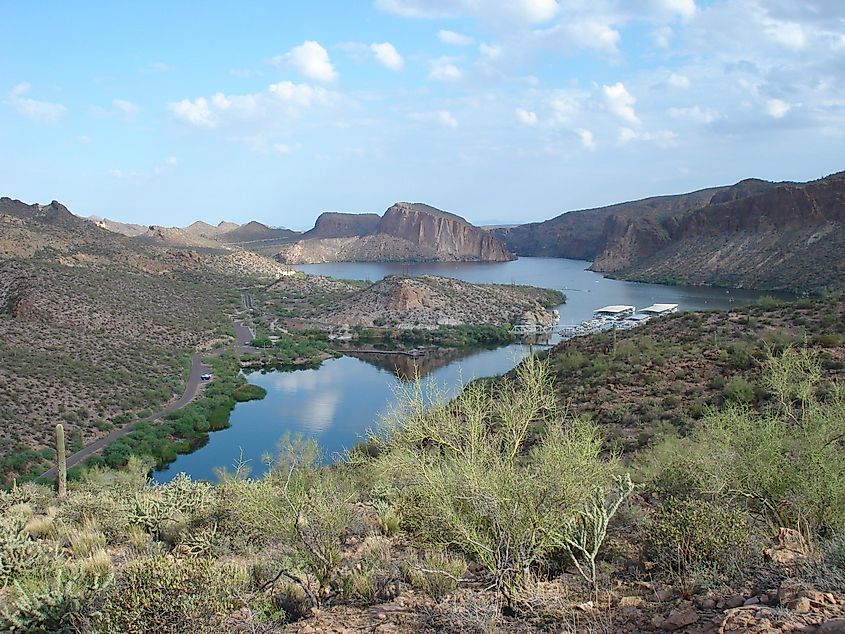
[[408, 232], [753, 234], [333, 224], [450, 236], [429, 301]]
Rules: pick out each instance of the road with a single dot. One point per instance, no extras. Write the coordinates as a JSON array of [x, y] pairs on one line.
[[243, 335]]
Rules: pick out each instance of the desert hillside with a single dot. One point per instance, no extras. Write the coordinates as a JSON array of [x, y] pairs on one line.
[[430, 301], [777, 236]]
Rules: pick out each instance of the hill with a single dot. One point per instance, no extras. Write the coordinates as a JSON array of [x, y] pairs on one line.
[[406, 232], [205, 230], [760, 234], [429, 301]]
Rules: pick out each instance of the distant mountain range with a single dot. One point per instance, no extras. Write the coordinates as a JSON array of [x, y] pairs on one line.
[[754, 234]]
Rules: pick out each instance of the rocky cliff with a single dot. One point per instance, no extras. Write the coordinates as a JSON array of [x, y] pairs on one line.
[[333, 224], [752, 234], [406, 232]]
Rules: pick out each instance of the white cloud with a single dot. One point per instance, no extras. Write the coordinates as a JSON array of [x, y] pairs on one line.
[[490, 51], [685, 9], [387, 55], [128, 108], [663, 36], [526, 116], [590, 32], [777, 108], [43, 111], [679, 81], [311, 60], [171, 161], [454, 39], [587, 140], [789, 34], [282, 99], [83, 138], [696, 114], [443, 69], [196, 112], [441, 117], [661, 138], [564, 106], [621, 102], [282, 148], [502, 11]]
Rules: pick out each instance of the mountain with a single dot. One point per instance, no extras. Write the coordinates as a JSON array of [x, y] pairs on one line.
[[406, 232], [177, 237], [205, 230], [126, 229], [334, 224], [756, 233]]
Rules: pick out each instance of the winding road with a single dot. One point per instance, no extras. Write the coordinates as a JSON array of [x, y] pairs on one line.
[[243, 335]]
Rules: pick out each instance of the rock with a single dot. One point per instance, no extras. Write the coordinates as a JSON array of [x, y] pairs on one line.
[[678, 618], [664, 594], [633, 601], [708, 604], [585, 607], [789, 546], [751, 601], [734, 601], [833, 626], [801, 605]]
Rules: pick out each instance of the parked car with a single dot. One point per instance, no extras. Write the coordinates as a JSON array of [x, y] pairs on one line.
[[205, 377]]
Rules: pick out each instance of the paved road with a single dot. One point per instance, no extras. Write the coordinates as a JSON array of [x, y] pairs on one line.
[[243, 335]]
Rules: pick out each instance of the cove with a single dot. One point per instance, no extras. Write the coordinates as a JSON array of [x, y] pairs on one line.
[[338, 402]]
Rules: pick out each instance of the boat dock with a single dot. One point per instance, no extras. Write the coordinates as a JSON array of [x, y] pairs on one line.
[[616, 317]]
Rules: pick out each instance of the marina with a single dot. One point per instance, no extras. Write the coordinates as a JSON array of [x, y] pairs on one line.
[[613, 317]]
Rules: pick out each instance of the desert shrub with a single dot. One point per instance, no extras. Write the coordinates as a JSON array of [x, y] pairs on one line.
[[19, 554], [686, 532], [739, 390], [60, 607], [437, 573], [164, 510], [389, 519], [161, 594], [248, 392], [459, 470], [786, 463]]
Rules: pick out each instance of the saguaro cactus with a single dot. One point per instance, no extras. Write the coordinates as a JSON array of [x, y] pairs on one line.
[[61, 481]]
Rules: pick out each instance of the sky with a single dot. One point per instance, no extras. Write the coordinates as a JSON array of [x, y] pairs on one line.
[[499, 110]]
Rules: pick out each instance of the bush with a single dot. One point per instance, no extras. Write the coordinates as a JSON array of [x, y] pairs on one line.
[[160, 594], [459, 471], [437, 574], [739, 390], [686, 532], [60, 607]]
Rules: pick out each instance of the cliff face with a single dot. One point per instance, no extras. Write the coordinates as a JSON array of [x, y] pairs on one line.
[[408, 232], [450, 236], [752, 234], [333, 224]]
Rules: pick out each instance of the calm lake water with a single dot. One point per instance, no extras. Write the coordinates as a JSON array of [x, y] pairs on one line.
[[339, 401]]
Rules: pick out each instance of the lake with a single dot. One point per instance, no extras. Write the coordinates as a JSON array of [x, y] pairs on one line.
[[338, 402]]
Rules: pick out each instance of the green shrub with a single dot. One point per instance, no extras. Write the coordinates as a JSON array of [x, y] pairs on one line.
[[248, 392], [60, 607], [685, 532], [739, 390], [437, 573], [161, 594]]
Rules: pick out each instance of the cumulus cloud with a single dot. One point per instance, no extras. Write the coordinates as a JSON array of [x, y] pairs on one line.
[[454, 39], [42, 111], [442, 117], [620, 102], [696, 114], [684, 9], [587, 140], [527, 11], [490, 51], [661, 138], [679, 81], [585, 32], [282, 98], [443, 69], [777, 108], [526, 116], [387, 55], [311, 60]]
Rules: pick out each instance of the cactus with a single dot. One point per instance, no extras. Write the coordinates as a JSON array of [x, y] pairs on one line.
[[62, 461]]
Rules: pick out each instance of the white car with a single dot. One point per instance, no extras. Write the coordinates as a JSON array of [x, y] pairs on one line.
[[205, 377]]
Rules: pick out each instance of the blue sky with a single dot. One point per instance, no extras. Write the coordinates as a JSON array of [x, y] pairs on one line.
[[499, 110]]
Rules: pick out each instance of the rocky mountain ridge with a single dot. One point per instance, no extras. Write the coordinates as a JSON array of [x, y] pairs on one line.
[[406, 232], [756, 233]]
